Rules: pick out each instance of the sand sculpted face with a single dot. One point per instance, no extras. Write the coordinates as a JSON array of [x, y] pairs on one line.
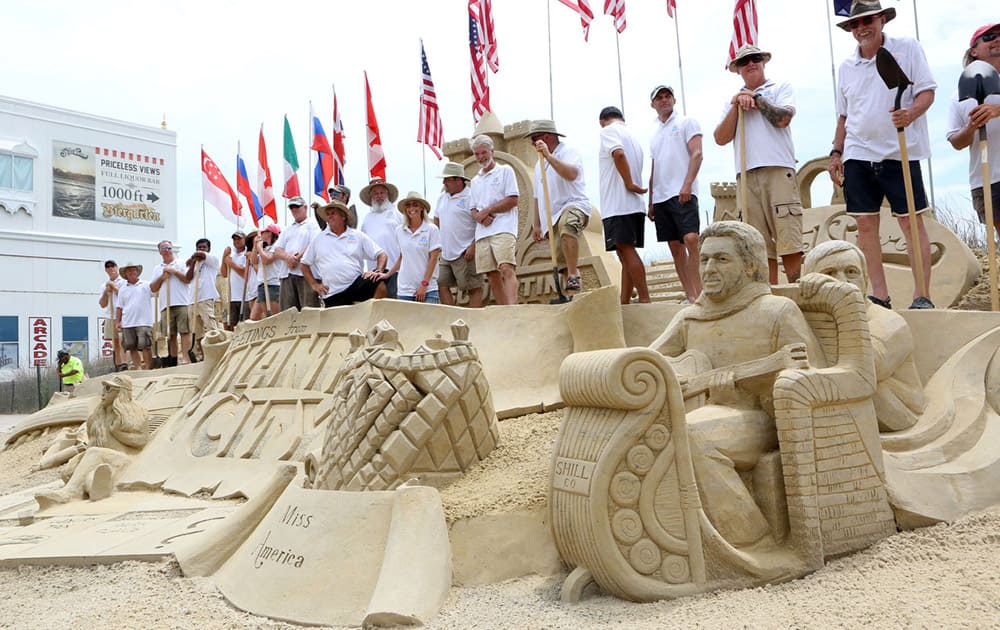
[[723, 271]]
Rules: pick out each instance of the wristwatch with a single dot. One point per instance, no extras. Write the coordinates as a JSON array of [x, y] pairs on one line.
[[837, 151], [424, 283]]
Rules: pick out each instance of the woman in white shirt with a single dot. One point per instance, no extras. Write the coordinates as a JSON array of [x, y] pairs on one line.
[[420, 247]]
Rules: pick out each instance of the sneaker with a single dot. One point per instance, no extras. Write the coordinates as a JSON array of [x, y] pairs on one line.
[[922, 303], [573, 283], [121, 367], [886, 303]]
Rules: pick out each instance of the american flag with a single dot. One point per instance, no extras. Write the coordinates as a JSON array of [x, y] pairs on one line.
[[616, 8], [429, 131], [586, 15], [671, 7], [744, 27], [480, 85], [339, 155], [481, 11], [842, 7]]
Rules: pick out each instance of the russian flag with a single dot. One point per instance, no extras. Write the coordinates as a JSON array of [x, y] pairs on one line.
[[323, 172], [245, 189]]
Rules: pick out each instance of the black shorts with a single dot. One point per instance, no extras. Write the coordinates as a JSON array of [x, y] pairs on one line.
[[979, 202], [361, 290], [234, 312], [866, 184], [673, 219], [626, 229]]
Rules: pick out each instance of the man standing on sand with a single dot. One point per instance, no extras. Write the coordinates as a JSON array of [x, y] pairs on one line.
[[207, 266], [70, 370], [965, 118], [567, 197], [622, 208], [494, 207], [866, 155], [134, 317], [457, 265], [109, 300], [673, 186], [291, 246], [772, 189], [176, 302], [234, 266], [381, 223]]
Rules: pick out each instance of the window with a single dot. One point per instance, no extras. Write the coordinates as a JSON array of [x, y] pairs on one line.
[[17, 166], [8, 341], [75, 337]]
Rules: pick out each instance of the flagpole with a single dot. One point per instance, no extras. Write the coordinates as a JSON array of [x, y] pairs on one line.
[[833, 66], [204, 228], [930, 167], [618, 51], [548, 27], [309, 157], [680, 68], [423, 168]]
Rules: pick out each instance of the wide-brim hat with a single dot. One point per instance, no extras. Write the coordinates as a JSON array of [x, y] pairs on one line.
[[366, 192], [542, 126], [454, 169], [413, 196], [349, 212], [861, 8], [130, 264], [746, 51]]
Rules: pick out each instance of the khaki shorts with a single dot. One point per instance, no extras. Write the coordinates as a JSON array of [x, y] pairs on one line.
[[496, 250], [179, 322], [572, 222], [205, 320], [138, 338], [459, 273], [775, 209]]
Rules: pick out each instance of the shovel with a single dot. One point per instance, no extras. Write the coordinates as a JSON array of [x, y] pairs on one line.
[[157, 360], [979, 80], [895, 78], [743, 165], [562, 299]]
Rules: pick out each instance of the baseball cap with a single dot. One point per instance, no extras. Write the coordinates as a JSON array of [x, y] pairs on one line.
[[296, 201], [658, 89], [982, 30]]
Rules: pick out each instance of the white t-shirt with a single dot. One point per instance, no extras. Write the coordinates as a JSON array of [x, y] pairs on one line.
[[615, 200], [562, 192], [339, 260], [180, 292], [381, 226], [863, 97], [113, 298], [958, 117], [489, 188], [295, 239], [415, 248], [273, 271], [209, 269], [134, 300], [458, 228], [668, 150], [767, 145], [236, 281]]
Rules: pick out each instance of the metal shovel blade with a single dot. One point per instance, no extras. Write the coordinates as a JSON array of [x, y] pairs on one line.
[[889, 70], [978, 80]]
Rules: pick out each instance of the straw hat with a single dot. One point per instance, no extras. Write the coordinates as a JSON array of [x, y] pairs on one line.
[[349, 214], [542, 126], [747, 51], [413, 196], [366, 192], [453, 169], [131, 264], [862, 8]]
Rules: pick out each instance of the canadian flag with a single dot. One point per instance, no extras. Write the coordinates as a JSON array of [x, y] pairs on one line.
[[217, 191], [266, 192], [376, 157]]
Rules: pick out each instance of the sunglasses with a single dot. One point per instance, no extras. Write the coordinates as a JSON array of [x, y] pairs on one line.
[[536, 137], [756, 58], [989, 37], [868, 19], [166, 249]]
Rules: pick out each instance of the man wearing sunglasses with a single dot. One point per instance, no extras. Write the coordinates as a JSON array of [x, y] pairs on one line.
[[774, 206], [866, 157], [966, 117]]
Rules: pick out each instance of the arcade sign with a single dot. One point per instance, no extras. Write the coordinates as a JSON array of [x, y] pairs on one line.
[[40, 334]]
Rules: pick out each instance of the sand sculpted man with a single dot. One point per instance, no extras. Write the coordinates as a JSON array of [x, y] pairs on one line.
[[899, 394], [744, 335], [116, 430]]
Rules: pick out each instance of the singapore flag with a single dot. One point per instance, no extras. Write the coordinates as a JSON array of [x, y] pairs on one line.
[[217, 191]]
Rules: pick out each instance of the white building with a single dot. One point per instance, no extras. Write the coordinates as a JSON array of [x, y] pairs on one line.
[[75, 190]]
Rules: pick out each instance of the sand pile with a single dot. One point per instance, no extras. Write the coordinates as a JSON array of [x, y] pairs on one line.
[[945, 575]]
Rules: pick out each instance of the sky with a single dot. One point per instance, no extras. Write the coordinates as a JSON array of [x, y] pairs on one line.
[[216, 71]]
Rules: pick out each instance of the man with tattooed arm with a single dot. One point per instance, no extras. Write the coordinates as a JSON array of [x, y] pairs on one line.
[[773, 203]]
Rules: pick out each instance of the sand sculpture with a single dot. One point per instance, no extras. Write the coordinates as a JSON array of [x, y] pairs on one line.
[[742, 447]]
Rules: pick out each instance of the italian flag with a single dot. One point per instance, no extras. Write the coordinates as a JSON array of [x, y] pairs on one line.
[[291, 165]]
